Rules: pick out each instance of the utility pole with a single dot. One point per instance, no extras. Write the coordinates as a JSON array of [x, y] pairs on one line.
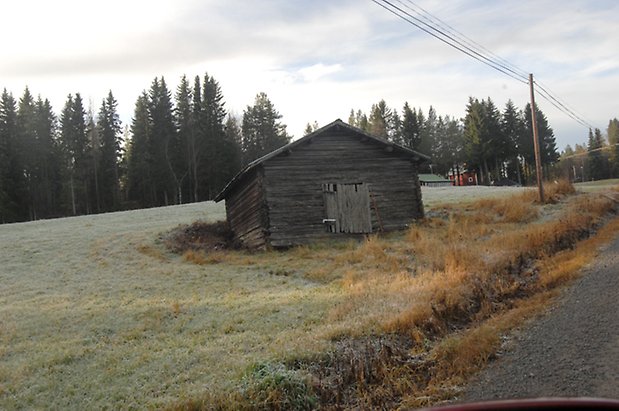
[[538, 159]]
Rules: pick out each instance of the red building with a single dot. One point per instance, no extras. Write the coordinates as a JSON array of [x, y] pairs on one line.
[[466, 178]]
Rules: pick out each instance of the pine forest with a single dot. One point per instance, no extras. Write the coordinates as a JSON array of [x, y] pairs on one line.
[[182, 145]]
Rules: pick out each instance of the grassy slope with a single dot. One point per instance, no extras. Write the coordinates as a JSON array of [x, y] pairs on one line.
[[86, 309], [93, 313]]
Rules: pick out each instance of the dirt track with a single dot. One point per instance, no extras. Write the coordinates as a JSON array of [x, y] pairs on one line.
[[573, 351]]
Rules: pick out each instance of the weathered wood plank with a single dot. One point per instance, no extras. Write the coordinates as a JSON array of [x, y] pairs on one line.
[[245, 211], [285, 203], [294, 187]]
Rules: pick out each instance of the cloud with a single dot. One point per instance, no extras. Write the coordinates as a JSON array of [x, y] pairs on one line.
[[318, 59], [318, 71]]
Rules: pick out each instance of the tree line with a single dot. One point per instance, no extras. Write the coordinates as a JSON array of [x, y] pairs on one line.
[[184, 146], [178, 148], [496, 145], [596, 159]]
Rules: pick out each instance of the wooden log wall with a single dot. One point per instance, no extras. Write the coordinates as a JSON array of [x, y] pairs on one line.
[[246, 210], [294, 186]]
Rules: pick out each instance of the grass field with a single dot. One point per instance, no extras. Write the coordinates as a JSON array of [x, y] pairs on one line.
[[95, 313], [593, 186]]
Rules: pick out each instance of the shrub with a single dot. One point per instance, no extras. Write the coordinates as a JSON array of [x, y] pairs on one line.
[[268, 386], [200, 235]]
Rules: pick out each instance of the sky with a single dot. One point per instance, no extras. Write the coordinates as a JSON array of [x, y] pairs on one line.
[[316, 60]]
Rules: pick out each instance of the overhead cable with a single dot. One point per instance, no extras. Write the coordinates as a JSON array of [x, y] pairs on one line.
[[462, 37], [447, 39], [442, 31], [562, 106]]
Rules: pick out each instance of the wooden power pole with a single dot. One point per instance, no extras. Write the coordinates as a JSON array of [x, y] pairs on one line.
[[538, 159]]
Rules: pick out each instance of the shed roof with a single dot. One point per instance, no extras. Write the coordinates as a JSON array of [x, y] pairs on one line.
[[337, 124], [433, 178]]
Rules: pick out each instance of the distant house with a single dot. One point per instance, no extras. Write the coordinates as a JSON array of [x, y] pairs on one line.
[[433, 180], [466, 178], [335, 182]]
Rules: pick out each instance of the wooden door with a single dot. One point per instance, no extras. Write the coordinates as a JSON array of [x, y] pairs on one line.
[[347, 208]]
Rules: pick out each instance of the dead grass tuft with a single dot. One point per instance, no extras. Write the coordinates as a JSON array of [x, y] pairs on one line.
[[151, 251], [202, 258], [554, 191], [593, 204], [560, 187], [566, 265], [176, 308], [515, 209], [460, 355], [323, 274], [375, 253]]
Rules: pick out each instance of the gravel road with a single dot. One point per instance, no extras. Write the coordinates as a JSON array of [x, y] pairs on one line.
[[573, 351]]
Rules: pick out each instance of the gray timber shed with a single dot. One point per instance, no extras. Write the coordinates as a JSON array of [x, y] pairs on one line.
[[335, 182]]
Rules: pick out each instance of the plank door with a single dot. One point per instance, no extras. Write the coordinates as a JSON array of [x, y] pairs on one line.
[[347, 208]]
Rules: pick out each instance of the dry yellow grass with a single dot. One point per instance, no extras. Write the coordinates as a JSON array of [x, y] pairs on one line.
[[462, 354], [463, 273], [517, 209], [203, 258]]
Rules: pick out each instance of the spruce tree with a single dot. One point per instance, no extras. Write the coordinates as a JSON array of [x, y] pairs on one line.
[[215, 153], [235, 136], [548, 145], [4, 164], [380, 120], [351, 119], [47, 177], [140, 185], [13, 190], [262, 129], [411, 128], [597, 162], [428, 135], [359, 119], [512, 128], [26, 134], [185, 126], [109, 133], [196, 141], [76, 150], [395, 133], [311, 127], [232, 151], [94, 142], [613, 140], [497, 143], [475, 137], [164, 144], [448, 141]]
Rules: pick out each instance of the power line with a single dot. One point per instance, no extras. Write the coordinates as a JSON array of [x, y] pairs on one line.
[[457, 40], [446, 38], [566, 109], [559, 106], [584, 153], [461, 36]]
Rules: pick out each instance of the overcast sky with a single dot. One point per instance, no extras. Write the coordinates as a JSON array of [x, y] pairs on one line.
[[316, 59]]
